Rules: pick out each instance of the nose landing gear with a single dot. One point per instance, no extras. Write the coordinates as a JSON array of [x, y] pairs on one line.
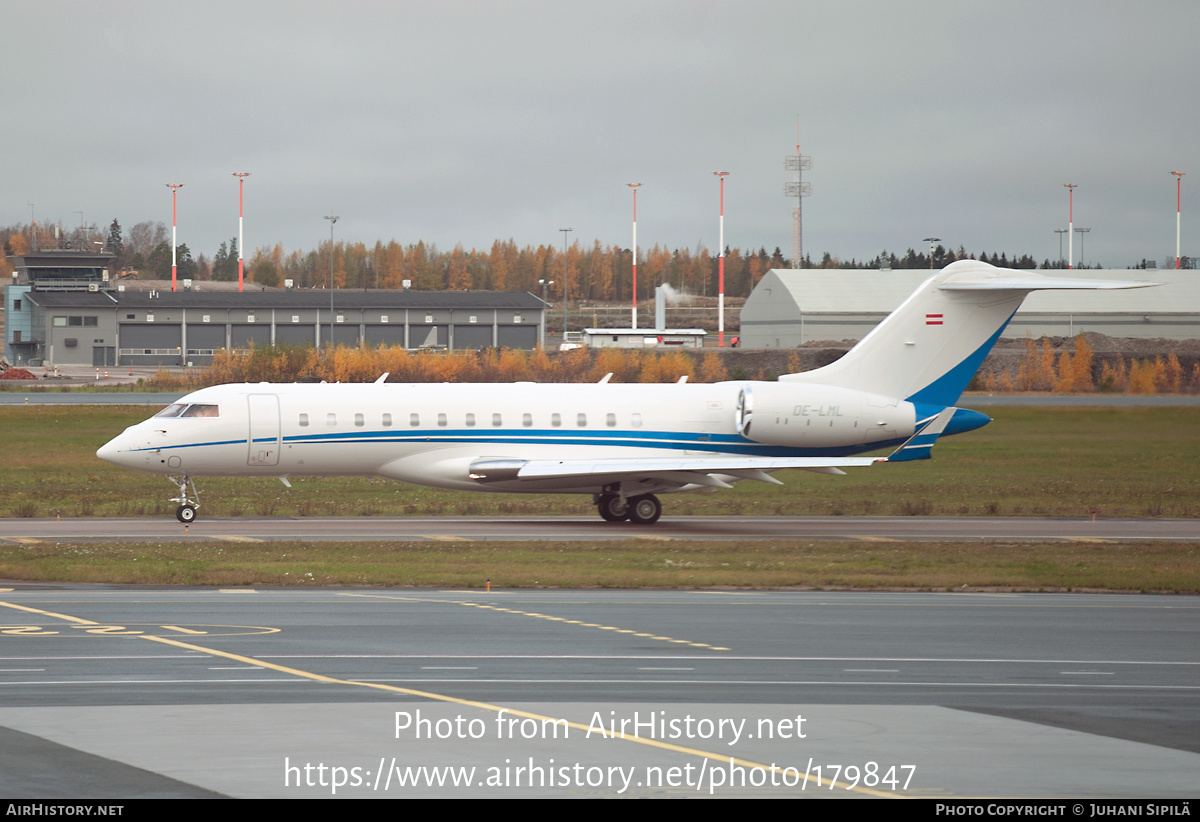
[[186, 512]]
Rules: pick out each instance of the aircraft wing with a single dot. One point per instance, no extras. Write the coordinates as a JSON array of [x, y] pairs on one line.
[[675, 470]]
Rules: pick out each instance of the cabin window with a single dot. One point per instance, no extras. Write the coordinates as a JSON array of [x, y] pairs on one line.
[[497, 421], [610, 420], [556, 420], [304, 420], [581, 420], [527, 420], [387, 420], [470, 420], [331, 419], [359, 421], [441, 420], [636, 420], [414, 420]]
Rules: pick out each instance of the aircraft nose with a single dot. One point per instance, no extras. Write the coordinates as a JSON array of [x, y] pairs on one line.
[[110, 452]]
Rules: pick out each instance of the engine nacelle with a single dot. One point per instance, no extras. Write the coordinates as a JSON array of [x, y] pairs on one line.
[[819, 416]]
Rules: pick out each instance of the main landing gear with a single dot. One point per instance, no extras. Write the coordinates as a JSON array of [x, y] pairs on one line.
[[641, 510], [186, 512]]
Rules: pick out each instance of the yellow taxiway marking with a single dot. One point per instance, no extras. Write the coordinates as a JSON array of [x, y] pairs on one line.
[[721, 758], [1088, 539], [874, 539], [184, 630], [25, 540], [536, 615], [26, 608], [444, 537], [233, 538], [237, 591]]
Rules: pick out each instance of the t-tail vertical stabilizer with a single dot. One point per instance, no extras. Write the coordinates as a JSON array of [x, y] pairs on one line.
[[927, 350]]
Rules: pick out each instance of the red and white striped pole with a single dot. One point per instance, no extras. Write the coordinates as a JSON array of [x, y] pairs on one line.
[[174, 191], [634, 186], [241, 175], [1178, 180], [721, 175]]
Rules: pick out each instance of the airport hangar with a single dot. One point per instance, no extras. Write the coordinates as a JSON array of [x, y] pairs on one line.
[[63, 309], [790, 307]]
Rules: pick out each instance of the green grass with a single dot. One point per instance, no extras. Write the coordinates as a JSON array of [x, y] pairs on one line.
[[1064, 566], [1119, 462]]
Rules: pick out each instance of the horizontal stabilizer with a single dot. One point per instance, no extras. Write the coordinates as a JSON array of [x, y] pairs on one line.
[[1036, 283], [920, 444]]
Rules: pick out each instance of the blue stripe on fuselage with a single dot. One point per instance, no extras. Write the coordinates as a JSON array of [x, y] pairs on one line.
[[663, 440]]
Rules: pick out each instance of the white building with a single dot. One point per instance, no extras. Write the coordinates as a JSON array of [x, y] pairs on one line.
[[789, 307]]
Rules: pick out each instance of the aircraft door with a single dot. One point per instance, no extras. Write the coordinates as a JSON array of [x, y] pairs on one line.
[[263, 437]]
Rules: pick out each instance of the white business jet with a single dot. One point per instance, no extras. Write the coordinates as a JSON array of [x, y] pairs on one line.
[[623, 444]]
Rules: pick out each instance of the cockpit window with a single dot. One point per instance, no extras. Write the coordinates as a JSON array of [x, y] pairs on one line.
[[202, 410], [181, 409]]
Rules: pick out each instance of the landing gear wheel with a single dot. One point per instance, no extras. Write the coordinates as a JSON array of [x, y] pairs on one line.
[[185, 514], [612, 508], [645, 510]]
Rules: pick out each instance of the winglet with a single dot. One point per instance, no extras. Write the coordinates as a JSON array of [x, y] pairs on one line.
[[920, 444]]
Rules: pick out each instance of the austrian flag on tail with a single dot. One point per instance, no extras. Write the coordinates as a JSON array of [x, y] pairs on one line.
[[933, 319]]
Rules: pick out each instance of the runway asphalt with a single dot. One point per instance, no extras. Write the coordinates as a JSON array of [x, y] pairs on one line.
[[109, 691], [342, 529]]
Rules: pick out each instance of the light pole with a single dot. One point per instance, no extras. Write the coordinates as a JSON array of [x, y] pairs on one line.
[[565, 231], [1178, 180], [1082, 256], [634, 186], [933, 241], [1060, 232], [332, 219], [174, 190], [241, 175], [1071, 224], [721, 175]]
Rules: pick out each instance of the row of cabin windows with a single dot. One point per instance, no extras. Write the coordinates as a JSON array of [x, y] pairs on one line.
[[469, 420]]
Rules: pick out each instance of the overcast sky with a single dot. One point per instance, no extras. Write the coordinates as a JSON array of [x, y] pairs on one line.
[[465, 122]]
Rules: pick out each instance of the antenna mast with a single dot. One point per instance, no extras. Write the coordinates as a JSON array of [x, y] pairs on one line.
[[799, 189]]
